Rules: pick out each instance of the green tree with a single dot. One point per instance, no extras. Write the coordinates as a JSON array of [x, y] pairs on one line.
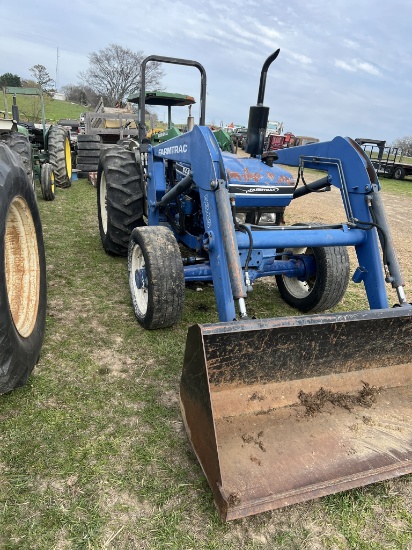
[[9, 79], [114, 73]]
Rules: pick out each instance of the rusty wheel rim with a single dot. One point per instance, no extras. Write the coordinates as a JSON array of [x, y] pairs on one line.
[[22, 267]]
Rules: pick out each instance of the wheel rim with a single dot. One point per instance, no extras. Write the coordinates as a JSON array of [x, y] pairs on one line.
[[103, 202], [68, 155], [32, 179], [299, 289], [139, 280], [52, 182], [22, 267]]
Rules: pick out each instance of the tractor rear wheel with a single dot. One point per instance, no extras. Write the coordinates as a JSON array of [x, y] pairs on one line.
[[120, 198], [326, 288], [60, 156], [22, 275], [47, 182], [156, 277], [20, 144]]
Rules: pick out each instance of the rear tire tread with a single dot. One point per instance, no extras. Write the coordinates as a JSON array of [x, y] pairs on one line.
[[124, 198], [57, 156]]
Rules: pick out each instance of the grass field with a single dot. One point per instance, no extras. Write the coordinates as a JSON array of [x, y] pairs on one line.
[[92, 451], [30, 108]]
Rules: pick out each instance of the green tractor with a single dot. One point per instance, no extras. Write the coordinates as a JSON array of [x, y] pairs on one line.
[[44, 152], [169, 100]]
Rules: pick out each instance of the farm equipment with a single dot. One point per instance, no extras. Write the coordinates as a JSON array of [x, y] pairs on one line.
[[278, 411], [22, 273], [387, 161], [49, 146], [276, 141], [169, 100], [17, 139], [103, 127]]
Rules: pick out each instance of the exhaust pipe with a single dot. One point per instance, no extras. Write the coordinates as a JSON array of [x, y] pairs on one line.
[[259, 114]]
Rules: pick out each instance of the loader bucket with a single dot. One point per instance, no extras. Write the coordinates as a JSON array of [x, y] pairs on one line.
[[281, 411]]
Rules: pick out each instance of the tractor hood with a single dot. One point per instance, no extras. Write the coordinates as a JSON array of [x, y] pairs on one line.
[[250, 177]]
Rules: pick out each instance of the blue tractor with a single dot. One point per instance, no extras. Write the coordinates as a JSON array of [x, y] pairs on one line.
[[268, 404]]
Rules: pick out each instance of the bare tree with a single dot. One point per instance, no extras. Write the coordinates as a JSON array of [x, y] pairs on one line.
[[28, 83], [404, 143], [114, 73], [43, 79], [153, 119], [83, 95]]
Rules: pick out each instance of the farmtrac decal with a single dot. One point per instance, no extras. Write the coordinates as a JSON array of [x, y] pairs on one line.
[[172, 150]]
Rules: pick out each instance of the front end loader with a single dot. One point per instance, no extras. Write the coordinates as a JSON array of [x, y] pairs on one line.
[[282, 410]]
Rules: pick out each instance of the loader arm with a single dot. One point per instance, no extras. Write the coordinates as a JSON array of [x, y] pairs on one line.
[[351, 171], [212, 174]]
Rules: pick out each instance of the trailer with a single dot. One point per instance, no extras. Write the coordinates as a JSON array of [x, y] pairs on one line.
[[103, 127], [387, 161]]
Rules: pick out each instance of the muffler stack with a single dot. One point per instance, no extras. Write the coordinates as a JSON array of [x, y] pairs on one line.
[[280, 411]]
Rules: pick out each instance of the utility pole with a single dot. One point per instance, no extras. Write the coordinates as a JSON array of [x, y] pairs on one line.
[[57, 71]]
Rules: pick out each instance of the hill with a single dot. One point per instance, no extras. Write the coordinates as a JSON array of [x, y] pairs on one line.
[[30, 108]]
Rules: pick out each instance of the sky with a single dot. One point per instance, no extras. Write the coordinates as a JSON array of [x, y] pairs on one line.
[[344, 68]]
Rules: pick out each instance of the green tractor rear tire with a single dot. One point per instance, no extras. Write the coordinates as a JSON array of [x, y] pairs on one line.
[[60, 156], [20, 144], [22, 274]]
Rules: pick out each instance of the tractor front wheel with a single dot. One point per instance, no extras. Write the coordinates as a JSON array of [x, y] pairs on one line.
[[156, 277], [325, 288], [22, 275], [47, 182], [60, 156]]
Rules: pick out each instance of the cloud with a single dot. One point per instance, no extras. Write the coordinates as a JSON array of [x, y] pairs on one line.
[[345, 66], [351, 44], [357, 65], [367, 67], [304, 59]]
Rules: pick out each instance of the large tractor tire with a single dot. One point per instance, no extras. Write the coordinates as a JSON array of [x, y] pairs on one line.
[[88, 152], [120, 198], [20, 144], [156, 277], [60, 156], [326, 288], [22, 275]]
